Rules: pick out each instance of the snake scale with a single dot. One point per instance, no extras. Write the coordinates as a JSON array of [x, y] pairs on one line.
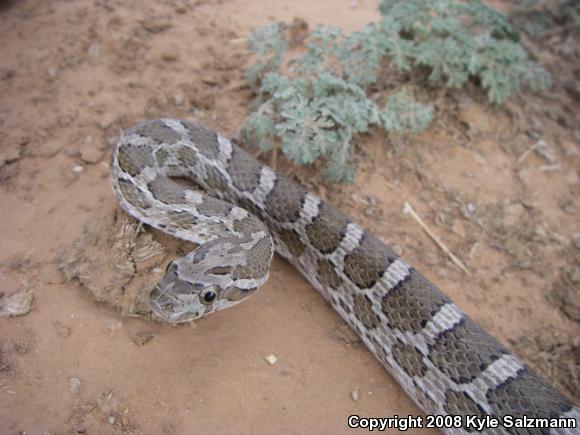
[[443, 360]]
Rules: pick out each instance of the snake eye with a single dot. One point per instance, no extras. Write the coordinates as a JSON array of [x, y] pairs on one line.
[[208, 296]]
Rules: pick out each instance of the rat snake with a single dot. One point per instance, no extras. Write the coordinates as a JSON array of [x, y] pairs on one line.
[[442, 359]]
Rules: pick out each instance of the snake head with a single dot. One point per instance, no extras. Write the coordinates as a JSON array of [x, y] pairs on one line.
[[180, 297]]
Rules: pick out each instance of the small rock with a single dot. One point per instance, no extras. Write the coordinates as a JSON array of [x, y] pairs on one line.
[[106, 121], [75, 385], [210, 80], [89, 152], [17, 304], [156, 26], [369, 211], [62, 330], [354, 394], [170, 56], [78, 169], [49, 149], [271, 359], [111, 419], [7, 74], [9, 155], [51, 274], [104, 170], [141, 338], [52, 72]]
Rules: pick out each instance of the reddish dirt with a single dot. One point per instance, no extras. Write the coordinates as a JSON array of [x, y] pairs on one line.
[[73, 74]]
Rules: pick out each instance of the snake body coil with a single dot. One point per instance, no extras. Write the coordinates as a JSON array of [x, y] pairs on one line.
[[443, 360]]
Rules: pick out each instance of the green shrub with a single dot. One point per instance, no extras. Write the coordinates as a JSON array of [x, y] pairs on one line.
[[319, 104]]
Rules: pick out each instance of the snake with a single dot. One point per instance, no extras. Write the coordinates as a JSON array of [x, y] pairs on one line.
[[188, 181]]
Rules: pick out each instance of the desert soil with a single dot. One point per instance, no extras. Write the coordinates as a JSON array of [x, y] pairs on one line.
[[499, 186]]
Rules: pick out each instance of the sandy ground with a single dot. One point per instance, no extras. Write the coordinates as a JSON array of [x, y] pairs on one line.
[[74, 73]]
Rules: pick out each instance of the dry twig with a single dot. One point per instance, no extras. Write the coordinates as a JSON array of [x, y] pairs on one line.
[[409, 209]]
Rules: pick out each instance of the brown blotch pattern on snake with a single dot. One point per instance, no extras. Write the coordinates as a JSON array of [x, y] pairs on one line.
[[285, 199], [167, 191], [214, 180], [327, 229], [244, 171], [187, 157], [461, 403], [464, 352], [249, 205], [133, 195], [220, 270], [292, 241], [424, 399], [161, 155], [259, 263], [412, 302], [182, 219], [133, 158], [203, 138], [410, 359], [327, 274], [526, 394], [246, 225], [363, 310], [213, 207], [368, 262], [158, 131]]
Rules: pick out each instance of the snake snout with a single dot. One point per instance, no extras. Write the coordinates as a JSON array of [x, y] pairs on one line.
[[174, 309]]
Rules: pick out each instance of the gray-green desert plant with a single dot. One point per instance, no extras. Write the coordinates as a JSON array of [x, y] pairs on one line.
[[313, 105]]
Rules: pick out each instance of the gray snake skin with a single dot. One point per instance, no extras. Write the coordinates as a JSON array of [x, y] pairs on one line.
[[443, 360]]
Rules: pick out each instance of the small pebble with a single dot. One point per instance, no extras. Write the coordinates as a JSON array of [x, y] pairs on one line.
[[75, 385], [89, 152], [78, 169], [17, 304], [141, 338], [271, 359], [62, 330], [354, 394], [9, 155], [51, 274], [49, 149]]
